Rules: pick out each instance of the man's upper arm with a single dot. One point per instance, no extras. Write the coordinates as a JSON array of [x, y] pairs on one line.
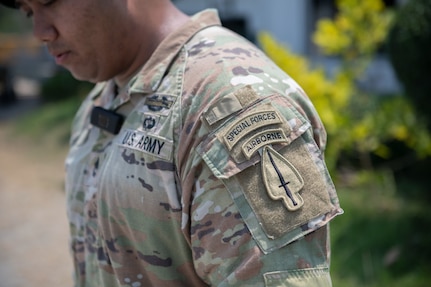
[[263, 196]]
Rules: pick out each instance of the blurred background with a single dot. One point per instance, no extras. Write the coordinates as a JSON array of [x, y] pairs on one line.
[[364, 63]]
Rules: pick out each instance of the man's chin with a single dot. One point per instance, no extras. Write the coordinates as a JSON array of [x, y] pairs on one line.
[[82, 77]]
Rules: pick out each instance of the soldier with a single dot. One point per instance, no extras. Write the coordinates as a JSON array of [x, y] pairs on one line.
[[195, 161]]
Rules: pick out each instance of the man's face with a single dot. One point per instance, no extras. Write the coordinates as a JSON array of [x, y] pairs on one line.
[[87, 37]]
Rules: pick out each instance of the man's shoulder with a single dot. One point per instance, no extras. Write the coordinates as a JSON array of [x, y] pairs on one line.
[[217, 38], [220, 57]]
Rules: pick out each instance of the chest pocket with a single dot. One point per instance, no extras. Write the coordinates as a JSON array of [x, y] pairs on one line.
[[267, 159]]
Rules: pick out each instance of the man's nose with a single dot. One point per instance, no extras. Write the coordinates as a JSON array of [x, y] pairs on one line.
[[44, 29]]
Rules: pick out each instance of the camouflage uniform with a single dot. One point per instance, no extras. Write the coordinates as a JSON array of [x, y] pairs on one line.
[[215, 178]]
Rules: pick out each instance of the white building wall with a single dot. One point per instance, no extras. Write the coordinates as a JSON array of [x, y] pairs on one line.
[[286, 20]]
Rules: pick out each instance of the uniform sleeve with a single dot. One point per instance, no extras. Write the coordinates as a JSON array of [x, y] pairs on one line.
[[257, 194]]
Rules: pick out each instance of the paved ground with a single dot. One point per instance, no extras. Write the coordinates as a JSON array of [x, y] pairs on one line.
[[33, 226]]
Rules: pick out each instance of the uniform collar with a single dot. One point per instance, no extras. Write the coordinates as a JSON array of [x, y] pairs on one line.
[[151, 75], [148, 79]]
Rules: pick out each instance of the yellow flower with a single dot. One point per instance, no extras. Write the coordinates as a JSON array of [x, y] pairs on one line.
[[400, 132]]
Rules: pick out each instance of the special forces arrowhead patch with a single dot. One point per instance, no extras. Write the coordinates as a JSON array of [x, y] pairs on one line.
[[281, 179]]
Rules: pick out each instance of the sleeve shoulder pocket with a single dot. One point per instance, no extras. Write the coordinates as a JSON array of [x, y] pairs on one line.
[[274, 173]]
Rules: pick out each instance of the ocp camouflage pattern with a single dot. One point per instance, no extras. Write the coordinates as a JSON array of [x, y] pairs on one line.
[[168, 202]]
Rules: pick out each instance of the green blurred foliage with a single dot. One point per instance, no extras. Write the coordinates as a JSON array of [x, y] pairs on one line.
[[63, 86], [13, 22], [357, 31], [409, 49], [357, 122], [50, 124], [61, 96], [380, 240]]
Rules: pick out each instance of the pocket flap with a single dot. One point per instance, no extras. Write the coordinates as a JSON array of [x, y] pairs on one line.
[[267, 159]]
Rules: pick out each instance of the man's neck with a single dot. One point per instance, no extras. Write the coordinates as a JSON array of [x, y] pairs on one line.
[[163, 20]]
